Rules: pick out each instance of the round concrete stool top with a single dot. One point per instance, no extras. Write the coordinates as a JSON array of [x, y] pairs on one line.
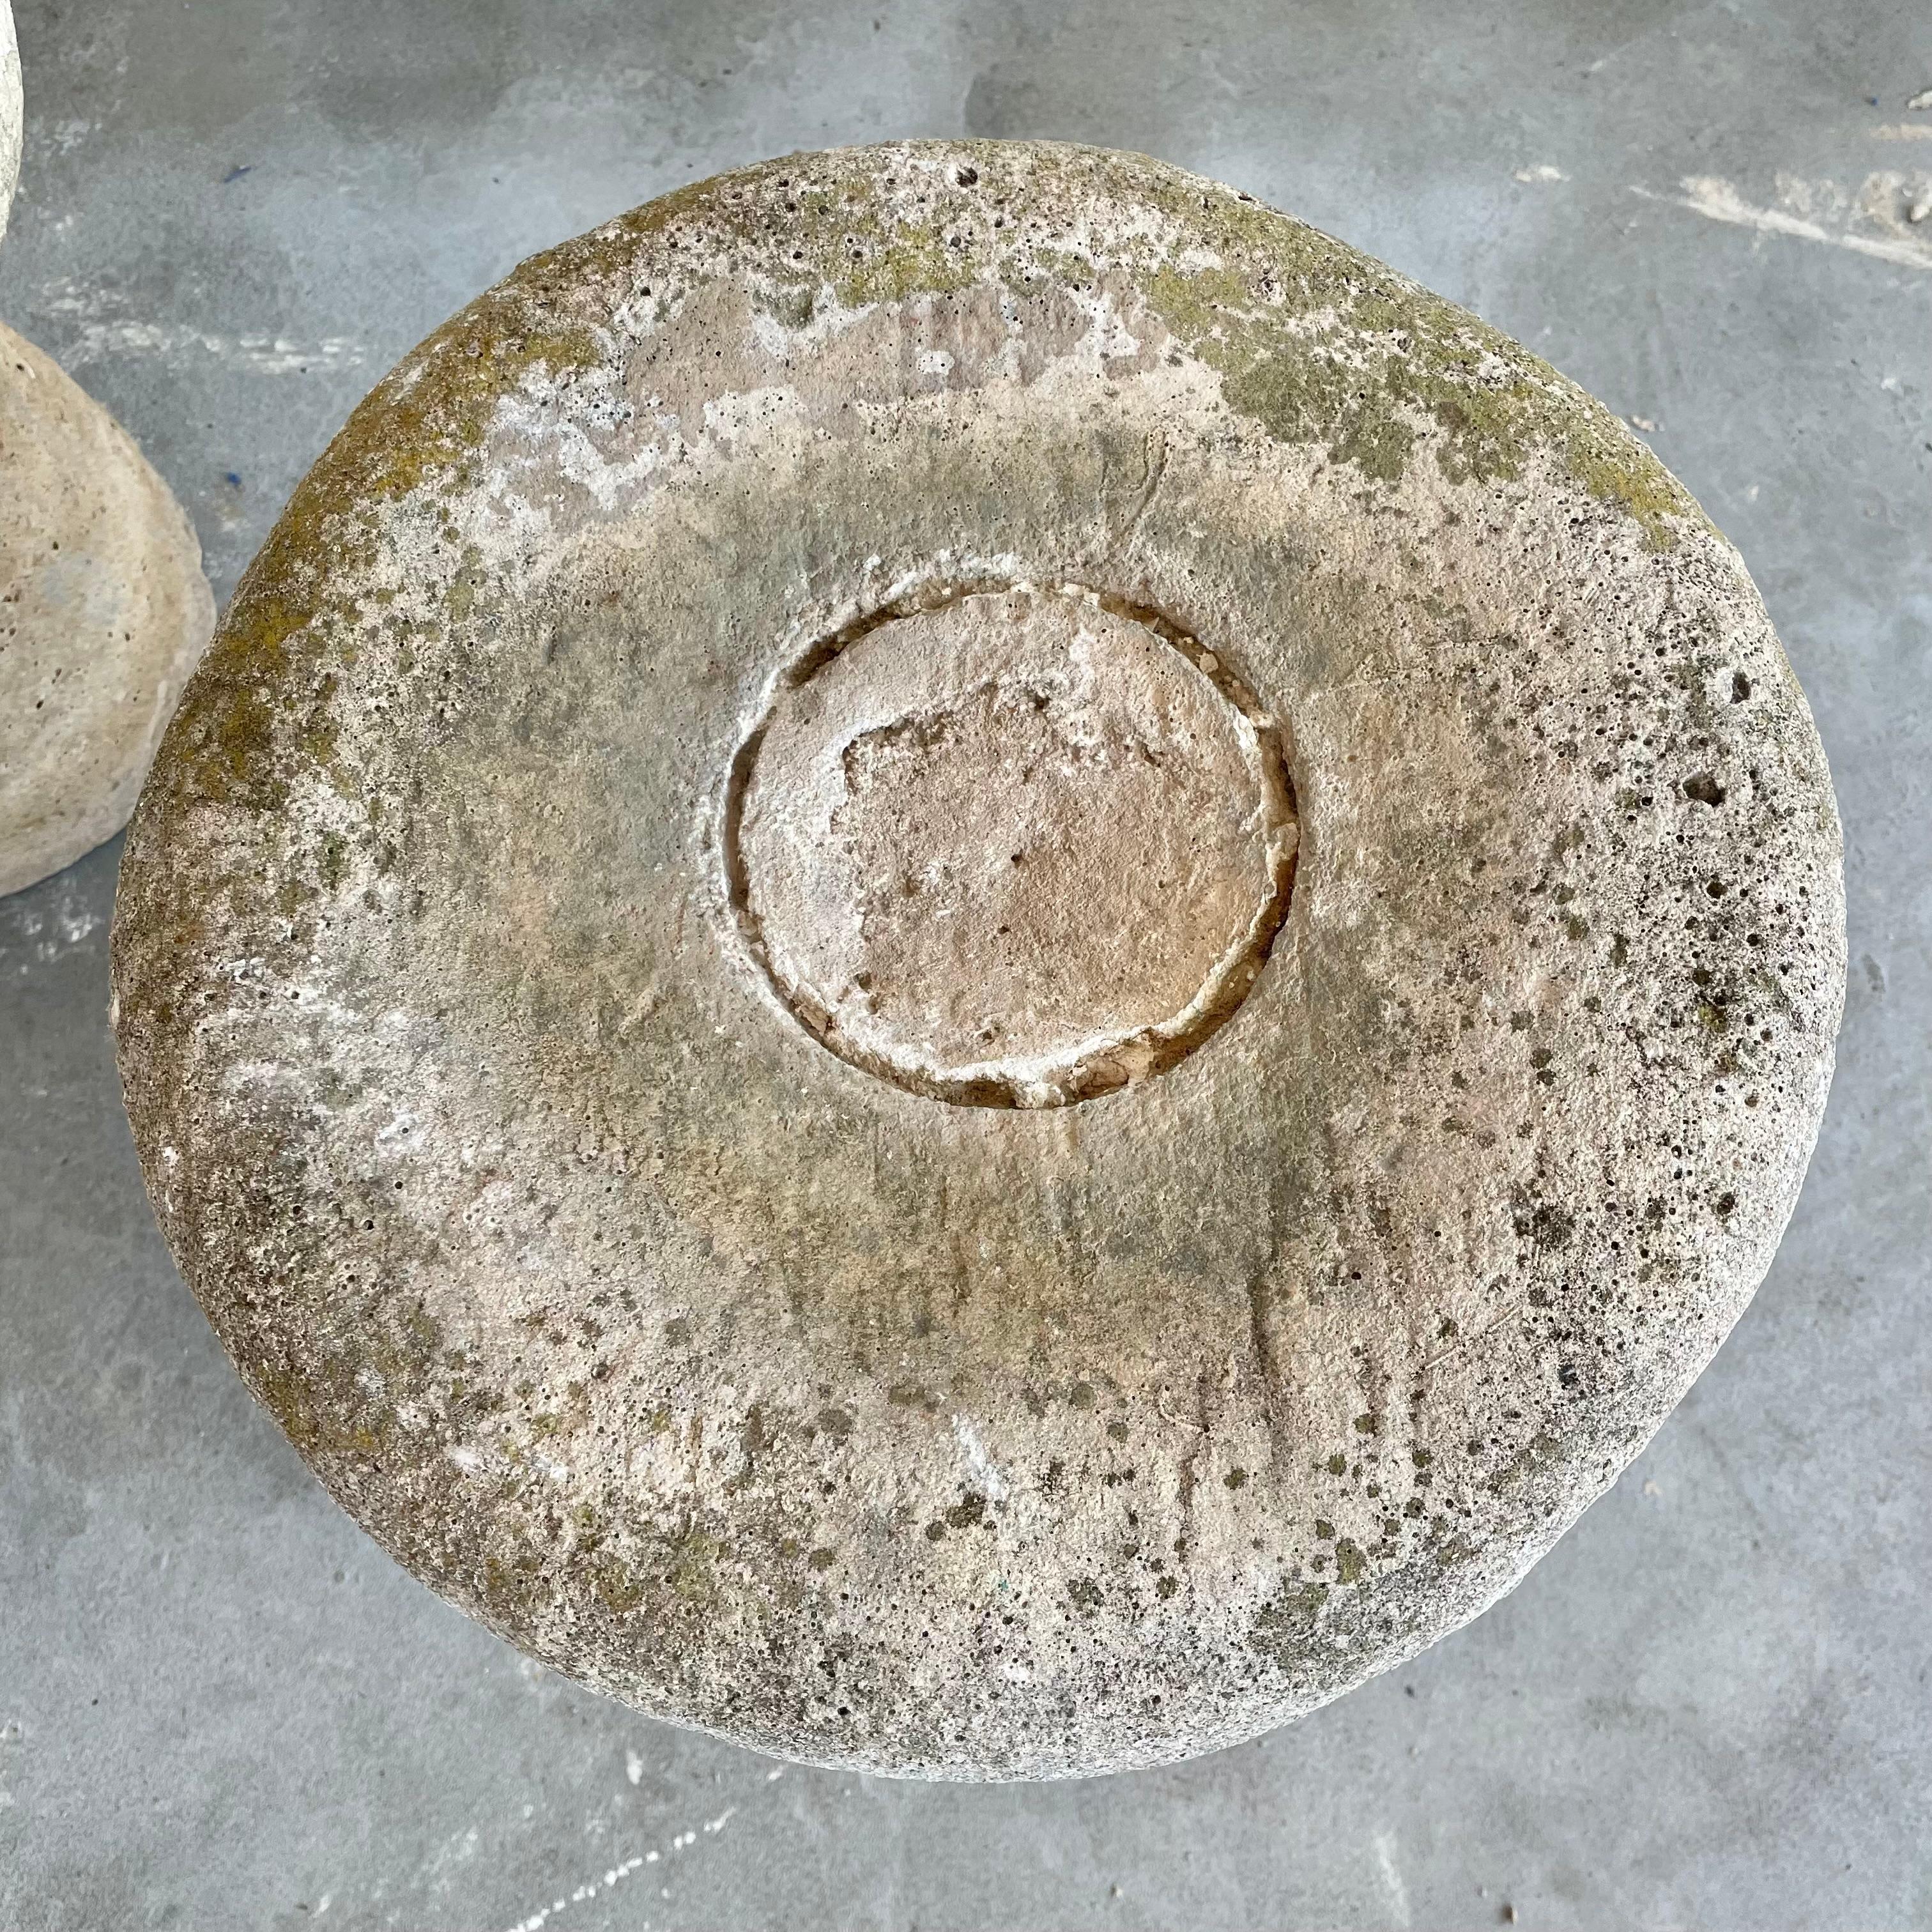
[[103, 610], [965, 960]]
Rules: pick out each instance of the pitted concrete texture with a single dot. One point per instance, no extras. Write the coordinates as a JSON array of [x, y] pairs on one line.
[[771, 1389], [221, 1705]]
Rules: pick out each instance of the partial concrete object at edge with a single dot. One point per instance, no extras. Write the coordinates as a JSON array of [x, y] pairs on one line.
[[974, 1440], [9, 113], [103, 610]]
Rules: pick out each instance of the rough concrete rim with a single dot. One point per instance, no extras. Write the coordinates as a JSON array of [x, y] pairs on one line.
[[1461, 424]]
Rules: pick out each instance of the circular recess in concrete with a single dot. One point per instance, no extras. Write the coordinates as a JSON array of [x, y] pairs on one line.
[[556, 779], [1012, 847]]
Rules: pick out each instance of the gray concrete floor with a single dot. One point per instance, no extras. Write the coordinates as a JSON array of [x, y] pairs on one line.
[[221, 1706]]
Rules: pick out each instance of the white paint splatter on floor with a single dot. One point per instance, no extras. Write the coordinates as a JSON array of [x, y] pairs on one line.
[[267, 355], [100, 331], [614, 1875], [1871, 220], [1391, 1876], [39, 933]]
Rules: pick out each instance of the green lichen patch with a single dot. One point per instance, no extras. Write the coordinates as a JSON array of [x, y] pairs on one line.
[[1285, 1630], [873, 232], [1320, 345]]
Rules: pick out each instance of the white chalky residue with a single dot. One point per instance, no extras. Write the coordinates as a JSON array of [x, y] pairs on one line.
[[985, 1472], [525, 423]]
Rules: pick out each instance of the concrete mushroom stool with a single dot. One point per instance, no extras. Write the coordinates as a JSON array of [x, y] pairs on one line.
[[103, 610], [965, 960]]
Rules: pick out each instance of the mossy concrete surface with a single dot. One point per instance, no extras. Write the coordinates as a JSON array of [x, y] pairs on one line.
[[797, 1403], [1699, 1709]]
